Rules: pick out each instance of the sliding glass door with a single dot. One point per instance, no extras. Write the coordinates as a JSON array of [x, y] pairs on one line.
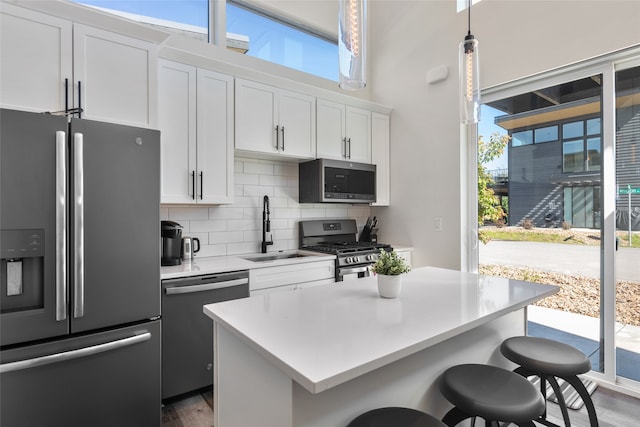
[[559, 202], [551, 228], [627, 218]]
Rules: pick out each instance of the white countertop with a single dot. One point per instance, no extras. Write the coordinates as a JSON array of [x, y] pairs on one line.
[[324, 336], [221, 264]]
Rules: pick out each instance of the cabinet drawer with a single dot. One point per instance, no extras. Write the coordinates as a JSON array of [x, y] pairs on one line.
[[293, 274]]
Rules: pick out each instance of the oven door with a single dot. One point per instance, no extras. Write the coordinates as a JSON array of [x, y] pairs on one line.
[[355, 272]]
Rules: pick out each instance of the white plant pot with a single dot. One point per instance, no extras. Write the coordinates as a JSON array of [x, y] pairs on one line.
[[389, 286]]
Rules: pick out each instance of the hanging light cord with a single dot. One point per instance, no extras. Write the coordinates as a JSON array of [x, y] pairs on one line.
[[469, 16]]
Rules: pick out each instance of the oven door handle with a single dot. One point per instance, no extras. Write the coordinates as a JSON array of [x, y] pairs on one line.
[[352, 270]]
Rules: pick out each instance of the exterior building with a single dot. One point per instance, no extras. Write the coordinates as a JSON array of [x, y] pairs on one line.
[[555, 153]]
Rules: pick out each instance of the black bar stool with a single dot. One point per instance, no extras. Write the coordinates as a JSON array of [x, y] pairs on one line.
[[395, 417], [548, 360], [492, 393]]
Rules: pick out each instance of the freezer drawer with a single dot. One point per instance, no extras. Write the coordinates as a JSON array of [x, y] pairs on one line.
[[187, 333], [101, 380]]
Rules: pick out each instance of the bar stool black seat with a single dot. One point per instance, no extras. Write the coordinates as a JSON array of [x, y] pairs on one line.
[[492, 393], [548, 360], [395, 417]]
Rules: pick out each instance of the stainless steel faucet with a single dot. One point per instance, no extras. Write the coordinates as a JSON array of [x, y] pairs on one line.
[[266, 225]]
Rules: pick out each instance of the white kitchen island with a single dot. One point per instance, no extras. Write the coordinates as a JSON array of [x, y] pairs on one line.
[[318, 357]]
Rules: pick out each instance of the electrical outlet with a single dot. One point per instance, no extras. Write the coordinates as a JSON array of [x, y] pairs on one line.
[[437, 223]]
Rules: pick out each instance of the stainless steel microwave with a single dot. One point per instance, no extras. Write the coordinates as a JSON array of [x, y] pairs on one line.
[[337, 181]]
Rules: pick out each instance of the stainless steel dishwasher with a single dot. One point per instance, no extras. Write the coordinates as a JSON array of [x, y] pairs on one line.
[[187, 333]]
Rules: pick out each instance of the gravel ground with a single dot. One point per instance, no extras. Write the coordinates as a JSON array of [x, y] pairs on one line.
[[578, 294]]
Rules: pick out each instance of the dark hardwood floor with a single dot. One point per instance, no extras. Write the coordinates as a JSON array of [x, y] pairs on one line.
[[191, 410], [613, 409]]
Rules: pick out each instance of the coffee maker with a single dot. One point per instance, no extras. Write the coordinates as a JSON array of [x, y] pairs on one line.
[[171, 234]]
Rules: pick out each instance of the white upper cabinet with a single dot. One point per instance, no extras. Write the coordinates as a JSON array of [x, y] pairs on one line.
[[110, 76], [380, 156], [344, 132], [36, 59], [274, 122], [195, 112], [117, 75], [215, 135]]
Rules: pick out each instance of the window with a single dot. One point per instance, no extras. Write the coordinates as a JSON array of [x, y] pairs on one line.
[[546, 134], [580, 153], [271, 38], [572, 156], [283, 42], [187, 17], [572, 130], [522, 138], [593, 154]]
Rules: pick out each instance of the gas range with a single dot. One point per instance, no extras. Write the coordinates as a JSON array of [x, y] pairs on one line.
[[338, 237]]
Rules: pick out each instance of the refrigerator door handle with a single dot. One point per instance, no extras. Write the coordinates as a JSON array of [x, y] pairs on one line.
[[78, 226], [61, 226], [73, 354]]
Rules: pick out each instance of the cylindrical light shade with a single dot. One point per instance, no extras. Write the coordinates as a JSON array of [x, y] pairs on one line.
[[469, 81], [352, 44]]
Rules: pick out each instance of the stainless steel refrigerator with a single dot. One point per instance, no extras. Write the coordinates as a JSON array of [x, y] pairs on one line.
[[80, 273]]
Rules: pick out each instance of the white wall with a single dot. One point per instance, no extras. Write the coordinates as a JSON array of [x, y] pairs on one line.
[[517, 39], [237, 228]]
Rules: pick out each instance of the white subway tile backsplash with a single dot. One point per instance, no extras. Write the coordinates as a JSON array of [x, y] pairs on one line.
[[274, 180], [219, 237], [262, 168], [225, 212], [208, 225], [188, 213], [237, 228], [246, 179]]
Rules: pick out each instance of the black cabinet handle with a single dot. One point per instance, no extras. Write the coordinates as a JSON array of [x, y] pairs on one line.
[[79, 99], [66, 96], [201, 185], [344, 143], [193, 184], [282, 128], [277, 138]]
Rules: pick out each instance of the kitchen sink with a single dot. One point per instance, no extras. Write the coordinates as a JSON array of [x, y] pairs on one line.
[[273, 257]]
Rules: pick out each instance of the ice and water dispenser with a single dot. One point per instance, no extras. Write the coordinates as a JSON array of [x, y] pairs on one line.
[[22, 270]]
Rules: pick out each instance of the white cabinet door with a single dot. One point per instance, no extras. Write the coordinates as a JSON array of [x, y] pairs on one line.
[[177, 119], [255, 117], [117, 75], [36, 59], [380, 156], [273, 121], [405, 254], [344, 132], [195, 108], [215, 138], [330, 125], [296, 116], [358, 133]]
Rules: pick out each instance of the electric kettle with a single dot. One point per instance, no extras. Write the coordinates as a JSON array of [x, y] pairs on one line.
[[190, 245]]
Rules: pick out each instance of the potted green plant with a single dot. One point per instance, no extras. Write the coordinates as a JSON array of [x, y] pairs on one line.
[[389, 268]]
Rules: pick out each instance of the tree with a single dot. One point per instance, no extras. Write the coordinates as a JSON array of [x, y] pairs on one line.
[[489, 207]]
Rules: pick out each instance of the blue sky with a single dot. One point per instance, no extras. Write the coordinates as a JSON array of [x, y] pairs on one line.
[[268, 40]]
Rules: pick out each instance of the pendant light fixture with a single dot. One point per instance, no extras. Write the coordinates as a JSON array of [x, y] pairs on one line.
[[352, 44], [469, 78]]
